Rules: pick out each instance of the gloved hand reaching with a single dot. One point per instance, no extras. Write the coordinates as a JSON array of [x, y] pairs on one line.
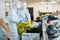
[[21, 20]]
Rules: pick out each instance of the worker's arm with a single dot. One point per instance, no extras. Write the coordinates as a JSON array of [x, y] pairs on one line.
[[13, 16]]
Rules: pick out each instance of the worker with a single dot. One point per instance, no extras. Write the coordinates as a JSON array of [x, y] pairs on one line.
[[18, 13], [13, 20], [24, 14]]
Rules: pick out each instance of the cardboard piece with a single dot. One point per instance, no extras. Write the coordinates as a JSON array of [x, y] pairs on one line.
[[3, 25]]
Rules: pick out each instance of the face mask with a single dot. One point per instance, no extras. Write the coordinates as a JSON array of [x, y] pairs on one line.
[[18, 5], [22, 7]]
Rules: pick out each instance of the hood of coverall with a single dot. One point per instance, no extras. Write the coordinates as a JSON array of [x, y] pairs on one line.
[[24, 5], [18, 5]]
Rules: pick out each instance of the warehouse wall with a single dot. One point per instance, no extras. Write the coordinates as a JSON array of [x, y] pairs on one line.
[[2, 9], [43, 7]]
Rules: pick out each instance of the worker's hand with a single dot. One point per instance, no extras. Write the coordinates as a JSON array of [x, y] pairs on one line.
[[21, 20]]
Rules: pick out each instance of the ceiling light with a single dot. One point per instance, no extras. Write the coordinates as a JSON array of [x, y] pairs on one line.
[[7, 3]]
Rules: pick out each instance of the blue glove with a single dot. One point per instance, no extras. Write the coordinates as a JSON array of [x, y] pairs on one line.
[[21, 20]]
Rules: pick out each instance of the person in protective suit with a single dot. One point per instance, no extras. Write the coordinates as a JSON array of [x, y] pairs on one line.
[[14, 18], [24, 14], [18, 13]]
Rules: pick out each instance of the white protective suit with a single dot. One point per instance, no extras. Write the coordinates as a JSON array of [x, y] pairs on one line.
[[23, 12], [13, 19], [16, 14]]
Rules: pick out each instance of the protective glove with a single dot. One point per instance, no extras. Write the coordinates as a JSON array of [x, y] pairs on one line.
[[21, 20]]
